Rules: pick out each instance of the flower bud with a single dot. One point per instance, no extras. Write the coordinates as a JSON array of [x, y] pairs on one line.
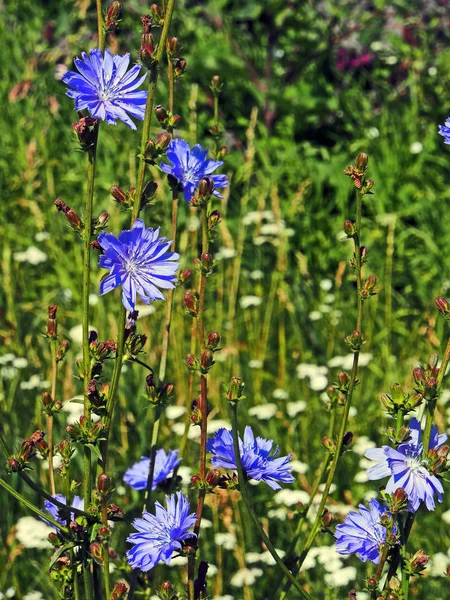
[[206, 263], [212, 477], [102, 220], [349, 228], [113, 15], [156, 14], [205, 187], [47, 399], [103, 483], [185, 276], [328, 444], [234, 392], [162, 141], [173, 46], [161, 114], [191, 303], [361, 162], [327, 518], [216, 85], [213, 341], [54, 539], [62, 350], [196, 480], [213, 219], [52, 324], [443, 306], [192, 363], [180, 67], [343, 381], [206, 361], [96, 552], [118, 194], [369, 287]]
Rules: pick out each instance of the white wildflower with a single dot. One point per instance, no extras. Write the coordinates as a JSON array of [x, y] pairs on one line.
[[264, 412]]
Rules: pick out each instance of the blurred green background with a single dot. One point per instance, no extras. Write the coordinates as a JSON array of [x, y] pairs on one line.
[[307, 86]]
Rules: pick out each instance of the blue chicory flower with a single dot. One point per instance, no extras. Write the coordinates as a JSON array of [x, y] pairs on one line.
[[137, 475], [51, 508], [105, 88], [444, 130], [138, 261], [190, 165], [407, 468], [159, 535], [258, 460], [362, 532]]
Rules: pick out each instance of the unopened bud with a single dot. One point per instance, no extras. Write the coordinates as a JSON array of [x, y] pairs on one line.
[[161, 114], [205, 187], [96, 552], [191, 303], [120, 591], [62, 350], [206, 360], [443, 306], [112, 17], [349, 228], [213, 219], [103, 483], [185, 275], [361, 162], [213, 340]]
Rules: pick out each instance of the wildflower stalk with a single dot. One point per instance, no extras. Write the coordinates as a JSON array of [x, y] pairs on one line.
[[353, 378], [245, 496], [29, 505], [135, 213], [87, 235], [153, 80], [100, 28], [184, 438], [51, 475], [203, 406]]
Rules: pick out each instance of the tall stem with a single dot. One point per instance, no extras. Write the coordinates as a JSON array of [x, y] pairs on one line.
[[245, 496], [353, 379], [50, 419], [153, 80], [203, 405]]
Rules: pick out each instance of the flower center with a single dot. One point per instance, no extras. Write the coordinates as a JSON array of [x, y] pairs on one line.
[[414, 464], [131, 267]]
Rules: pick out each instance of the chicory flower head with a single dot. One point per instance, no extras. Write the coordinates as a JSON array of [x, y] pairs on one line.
[[54, 510], [105, 88], [159, 535], [407, 468], [137, 475], [362, 532], [138, 261], [258, 459], [444, 130], [190, 165]]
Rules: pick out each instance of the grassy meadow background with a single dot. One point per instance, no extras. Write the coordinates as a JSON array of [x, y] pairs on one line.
[[307, 86]]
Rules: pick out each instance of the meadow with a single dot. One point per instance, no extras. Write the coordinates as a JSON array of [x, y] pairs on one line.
[[304, 89]]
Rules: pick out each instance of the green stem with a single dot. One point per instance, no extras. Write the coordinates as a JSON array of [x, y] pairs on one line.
[[403, 553], [88, 587], [203, 405], [245, 496], [105, 566], [100, 27], [87, 235], [50, 418], [154, 442], [29, 505], [153, 80], [353, 379]]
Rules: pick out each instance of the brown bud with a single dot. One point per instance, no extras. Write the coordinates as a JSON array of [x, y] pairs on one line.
[[361, 162], [103, 483], [213, 340], [443, 306], [161, 113]]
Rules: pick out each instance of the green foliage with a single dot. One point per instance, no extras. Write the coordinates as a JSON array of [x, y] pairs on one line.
[[293, 120]]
